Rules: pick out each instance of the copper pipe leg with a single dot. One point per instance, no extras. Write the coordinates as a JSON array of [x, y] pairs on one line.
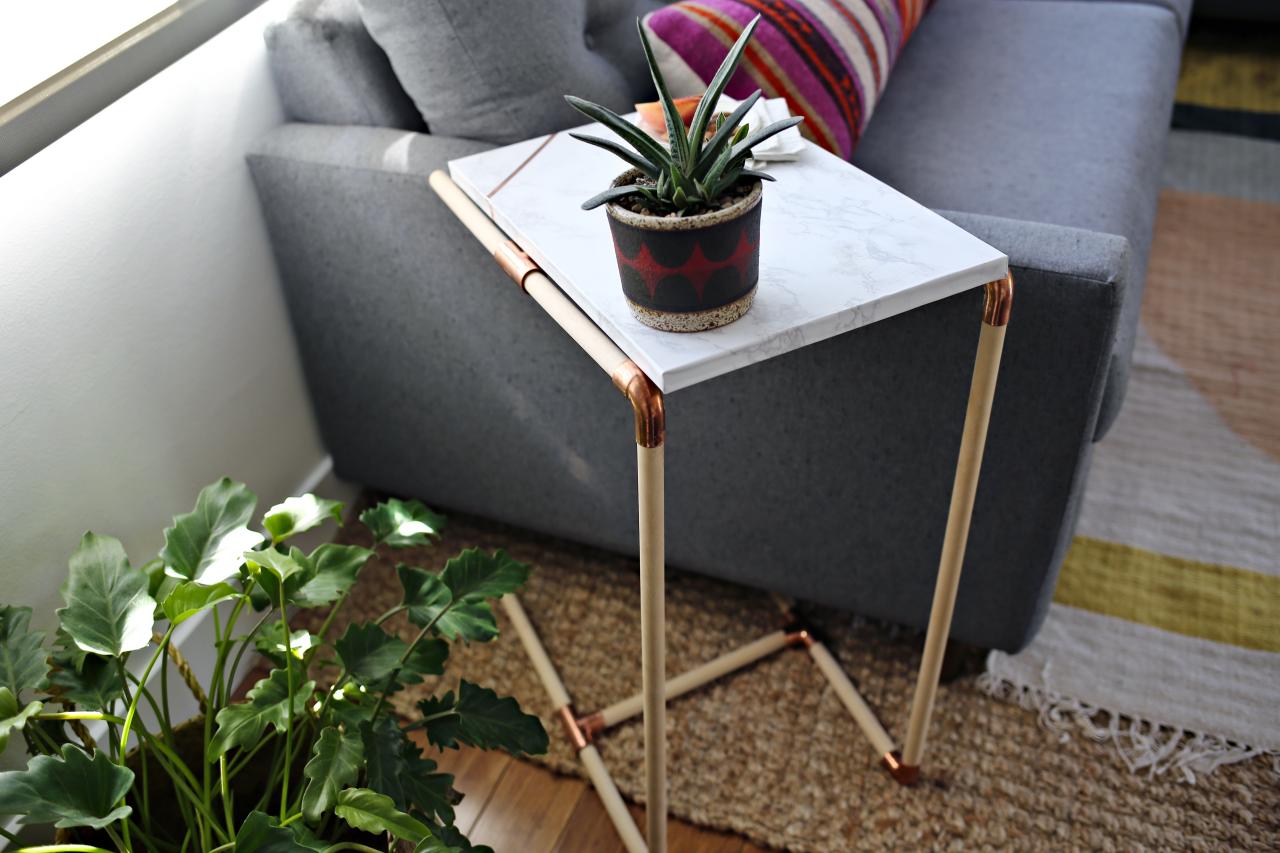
[[995, 317]]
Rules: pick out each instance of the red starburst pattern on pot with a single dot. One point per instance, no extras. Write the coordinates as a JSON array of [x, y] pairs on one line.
[[698, 268]]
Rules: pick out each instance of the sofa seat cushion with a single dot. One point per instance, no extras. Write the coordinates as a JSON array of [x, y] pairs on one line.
[[830, 59], [498, 72], [1046, 111]]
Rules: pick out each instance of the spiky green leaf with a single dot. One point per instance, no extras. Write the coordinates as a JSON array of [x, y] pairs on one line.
[[621, 152], [189, 598], [402, 524], [725, 132], [22, 656], [610, 195], [384, 745], [70, 789], [108, 609], [715, 88], [335, 764], [207, 544], [299, 514], [676, 132], [743, 148], [370, 811], [644, 144], [267, 705], [13, 716]]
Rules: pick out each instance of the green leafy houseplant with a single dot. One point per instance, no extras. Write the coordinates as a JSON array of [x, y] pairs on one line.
[[293, 766], [693, 171]]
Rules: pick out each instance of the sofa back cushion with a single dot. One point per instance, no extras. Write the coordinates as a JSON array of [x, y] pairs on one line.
[[830, 59], [498, 71]]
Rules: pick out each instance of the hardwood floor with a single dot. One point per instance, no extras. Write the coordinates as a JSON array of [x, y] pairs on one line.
[[518, 807]]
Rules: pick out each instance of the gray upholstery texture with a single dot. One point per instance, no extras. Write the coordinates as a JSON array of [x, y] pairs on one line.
[[824, 474], [499, 71], [1054, 112], [1181, 9], [328, 70]]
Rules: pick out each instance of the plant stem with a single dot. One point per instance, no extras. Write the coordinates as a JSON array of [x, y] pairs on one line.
[[288, 716], [399, 608], [128, 723], [382, 697], [63, 848], [244, 646], [226, 795], [80, 715]]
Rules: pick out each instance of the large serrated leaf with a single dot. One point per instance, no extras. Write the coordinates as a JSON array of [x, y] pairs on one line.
[[261, 834], [189, 598], [13, 715], [424, 789], [474, 574], [370, 811], [207, 544], [67, 790], [429, 601], [383, 743], [335, 764], [22, 656], [479, 717], [299, 514], [92, 682], [331, 570], [108, 609], [402, 524], [268, 704], [369, 654]]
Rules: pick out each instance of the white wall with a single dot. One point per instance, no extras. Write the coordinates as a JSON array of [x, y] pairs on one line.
[[144, 349]]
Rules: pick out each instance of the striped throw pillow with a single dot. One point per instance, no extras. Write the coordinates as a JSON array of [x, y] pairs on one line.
[[830, 59]]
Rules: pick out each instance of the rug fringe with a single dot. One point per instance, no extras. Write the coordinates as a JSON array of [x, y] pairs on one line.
[[1143, 745]]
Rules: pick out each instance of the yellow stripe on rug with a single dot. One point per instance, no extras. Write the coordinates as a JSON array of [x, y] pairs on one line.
[[1247, 78], [1213, 602]]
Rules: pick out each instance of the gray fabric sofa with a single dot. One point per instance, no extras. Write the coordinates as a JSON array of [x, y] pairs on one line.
[[1038, 125]]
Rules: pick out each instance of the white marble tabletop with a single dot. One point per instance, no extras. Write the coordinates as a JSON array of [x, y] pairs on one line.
[[839, 250]]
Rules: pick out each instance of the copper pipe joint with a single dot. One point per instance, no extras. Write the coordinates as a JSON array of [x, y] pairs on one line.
[[997, 303], [591, 725], [800, 637], [576, 737], [903, 774], [646, 399], [515, 262]]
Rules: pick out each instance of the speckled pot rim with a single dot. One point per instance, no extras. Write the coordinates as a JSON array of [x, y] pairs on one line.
[[680, 223]]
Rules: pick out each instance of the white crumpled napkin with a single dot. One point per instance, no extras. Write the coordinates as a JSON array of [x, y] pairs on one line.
[[779, 148]]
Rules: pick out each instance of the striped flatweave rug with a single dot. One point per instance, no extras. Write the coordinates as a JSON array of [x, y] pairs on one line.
[[1164, 635]]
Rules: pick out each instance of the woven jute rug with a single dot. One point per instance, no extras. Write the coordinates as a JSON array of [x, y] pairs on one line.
[[770, 752]]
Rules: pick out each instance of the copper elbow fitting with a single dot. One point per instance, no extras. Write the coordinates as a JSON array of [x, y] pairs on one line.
[[646, 400], [997, 303], [570, 723], [903, 774]]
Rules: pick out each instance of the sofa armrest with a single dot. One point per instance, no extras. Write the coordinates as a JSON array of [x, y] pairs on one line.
[[329, 70]]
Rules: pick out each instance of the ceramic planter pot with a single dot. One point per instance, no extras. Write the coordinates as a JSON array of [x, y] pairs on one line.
[[688, 273]]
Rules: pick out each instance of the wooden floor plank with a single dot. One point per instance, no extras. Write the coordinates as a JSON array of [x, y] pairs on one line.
[[589, 827], [688, 838], [529, 809]]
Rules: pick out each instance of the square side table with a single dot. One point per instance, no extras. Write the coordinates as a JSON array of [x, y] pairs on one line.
[[865, 253]]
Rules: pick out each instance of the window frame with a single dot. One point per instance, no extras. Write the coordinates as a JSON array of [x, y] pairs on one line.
[[53, 107]]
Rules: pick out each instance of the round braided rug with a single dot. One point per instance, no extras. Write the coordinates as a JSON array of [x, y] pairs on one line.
[[770, 753]]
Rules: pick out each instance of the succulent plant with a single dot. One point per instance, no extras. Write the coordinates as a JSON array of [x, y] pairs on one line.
[[692, 170]]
